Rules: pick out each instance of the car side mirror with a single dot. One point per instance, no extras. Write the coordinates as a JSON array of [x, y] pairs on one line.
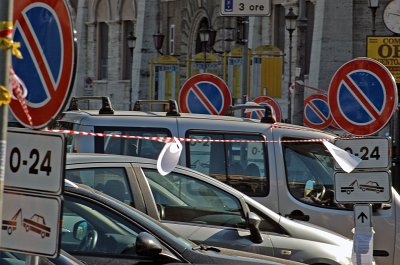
[[80, 230], [147, 245], [254, 225], [309, 187]]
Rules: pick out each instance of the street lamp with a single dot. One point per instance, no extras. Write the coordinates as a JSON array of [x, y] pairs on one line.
[[373, 5], [290, 21], [158, 40], [131, 41], [204, 33]]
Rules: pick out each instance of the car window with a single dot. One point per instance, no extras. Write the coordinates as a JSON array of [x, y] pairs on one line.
[[309, 170], [130, 146], [112, 181], [90, 228], [69, 138], [239, 160], [185, 199]]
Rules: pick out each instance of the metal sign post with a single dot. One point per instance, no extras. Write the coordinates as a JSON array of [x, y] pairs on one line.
[[6, 11]]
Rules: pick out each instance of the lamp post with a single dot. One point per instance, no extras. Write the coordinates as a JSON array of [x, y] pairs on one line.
[[158, 40], [131, 41], [373, 5], [204, 33], [290, 21]]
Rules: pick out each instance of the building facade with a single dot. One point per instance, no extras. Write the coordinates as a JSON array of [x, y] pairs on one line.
[[328, 34]]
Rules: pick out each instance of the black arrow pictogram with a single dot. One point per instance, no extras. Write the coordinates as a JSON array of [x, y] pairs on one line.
[[363, 216]]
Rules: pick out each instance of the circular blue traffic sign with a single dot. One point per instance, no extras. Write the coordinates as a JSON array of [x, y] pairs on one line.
[[205, 94], [316, 112], [362, 96], [44, 29]]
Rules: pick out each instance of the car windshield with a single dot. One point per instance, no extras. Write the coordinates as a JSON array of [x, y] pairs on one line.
[[309, 168]]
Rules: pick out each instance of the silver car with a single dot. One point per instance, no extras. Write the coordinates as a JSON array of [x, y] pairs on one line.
[[206, 210]]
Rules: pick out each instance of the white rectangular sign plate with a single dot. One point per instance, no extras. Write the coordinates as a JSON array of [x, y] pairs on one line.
[[367, 187], [362, 215], [374, 151], [245, 7], [31, 224], [35, 160]]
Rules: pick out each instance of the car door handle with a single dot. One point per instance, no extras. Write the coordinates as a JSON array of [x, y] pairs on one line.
[[380, 253], [298, 215]]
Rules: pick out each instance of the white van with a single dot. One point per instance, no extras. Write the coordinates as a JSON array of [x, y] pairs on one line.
[[271, 162]]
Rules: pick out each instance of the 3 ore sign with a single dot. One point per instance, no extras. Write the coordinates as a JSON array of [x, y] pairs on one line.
[[245, 7], [386, 50]]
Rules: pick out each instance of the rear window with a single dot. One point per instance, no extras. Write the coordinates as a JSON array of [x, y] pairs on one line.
[[239, 160], [131, 147]]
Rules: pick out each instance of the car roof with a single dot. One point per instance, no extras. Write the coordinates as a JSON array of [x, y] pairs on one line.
[[79, 158]]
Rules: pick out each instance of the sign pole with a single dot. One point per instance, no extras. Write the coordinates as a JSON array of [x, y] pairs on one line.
[[6, 15], [245, 40]]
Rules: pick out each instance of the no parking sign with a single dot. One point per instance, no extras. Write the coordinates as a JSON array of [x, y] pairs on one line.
[[362, 96], [316, 112], [44, 29], [265, 100], [205, 94]]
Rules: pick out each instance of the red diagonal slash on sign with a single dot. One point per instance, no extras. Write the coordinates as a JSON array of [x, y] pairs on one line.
[[203, 99], [33, 46], [356, 91], [317, 111]]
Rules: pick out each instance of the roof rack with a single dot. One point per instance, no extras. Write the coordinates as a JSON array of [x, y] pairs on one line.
[[268, 118], [106, 107], [172, 109]]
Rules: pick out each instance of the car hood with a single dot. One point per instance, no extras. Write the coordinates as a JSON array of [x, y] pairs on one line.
[[301, 229]]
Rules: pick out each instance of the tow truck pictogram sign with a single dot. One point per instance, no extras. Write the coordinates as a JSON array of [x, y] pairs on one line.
[[36, 224], [368, 186], [363, 187]]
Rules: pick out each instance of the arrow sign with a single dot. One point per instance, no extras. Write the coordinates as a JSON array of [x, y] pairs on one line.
[[362, 216]]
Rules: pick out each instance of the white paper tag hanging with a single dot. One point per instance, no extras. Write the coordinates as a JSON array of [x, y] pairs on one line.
[[169, 157], [346, 161]]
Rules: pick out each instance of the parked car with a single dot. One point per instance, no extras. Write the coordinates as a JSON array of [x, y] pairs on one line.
[[206, 210], [270, 162], [99, 229]]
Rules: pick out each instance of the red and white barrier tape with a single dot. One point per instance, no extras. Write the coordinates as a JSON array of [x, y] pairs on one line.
[[171, 139], [19, 92]]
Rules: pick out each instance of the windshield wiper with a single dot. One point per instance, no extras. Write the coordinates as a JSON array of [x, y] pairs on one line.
[[206, 248]]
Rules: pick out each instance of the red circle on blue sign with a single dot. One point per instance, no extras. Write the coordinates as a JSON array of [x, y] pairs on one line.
[[316, 112], [362, 96], [205, 94], [44, 29], [265, 100]]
